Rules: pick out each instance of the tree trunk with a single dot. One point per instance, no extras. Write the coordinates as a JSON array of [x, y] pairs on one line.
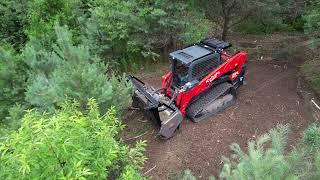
[[167, 48], [226, 19], [225, 28]]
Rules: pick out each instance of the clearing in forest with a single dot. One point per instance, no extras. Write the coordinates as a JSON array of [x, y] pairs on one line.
[[269, 98]]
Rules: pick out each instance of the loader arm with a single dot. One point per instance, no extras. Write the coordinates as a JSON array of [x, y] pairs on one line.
[[140, 86]]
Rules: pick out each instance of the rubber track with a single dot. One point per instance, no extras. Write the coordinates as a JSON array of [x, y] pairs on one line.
[[206, 98]]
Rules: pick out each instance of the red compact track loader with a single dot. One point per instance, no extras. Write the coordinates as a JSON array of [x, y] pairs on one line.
[[203, 81]]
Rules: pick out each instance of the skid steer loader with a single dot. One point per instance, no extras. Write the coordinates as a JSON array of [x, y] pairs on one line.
[[202, 81]]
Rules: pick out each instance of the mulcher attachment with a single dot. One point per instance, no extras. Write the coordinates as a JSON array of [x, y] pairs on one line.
[[214, 100], [156, 107]]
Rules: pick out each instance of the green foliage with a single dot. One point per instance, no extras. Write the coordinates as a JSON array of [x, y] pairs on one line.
[[267, 18], [70, 71], [93, 37], [138, 30], [13, 120], [129, 173], [267, 158], [184, 175], [273, 15], [13, 18], [196, 28], [305, 158], [121, 91], [311, 137], [311, 70], [130, 26], [78, 61], [312, 19], [295, 24], [44, 14], [121, 32], [12, 83], [69, 145], [260, 163]]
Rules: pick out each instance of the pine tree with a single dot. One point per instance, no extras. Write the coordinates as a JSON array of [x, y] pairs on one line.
[[69, 71], [13, 83]]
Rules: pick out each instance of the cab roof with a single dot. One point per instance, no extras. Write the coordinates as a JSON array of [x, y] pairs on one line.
[[190, 54], [197, 51]]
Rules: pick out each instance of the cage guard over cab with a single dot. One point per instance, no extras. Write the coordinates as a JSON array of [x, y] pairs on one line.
[[194, 62]]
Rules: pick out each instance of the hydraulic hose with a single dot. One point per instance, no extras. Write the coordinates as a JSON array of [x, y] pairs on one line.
[[157, 90], [170, 102]]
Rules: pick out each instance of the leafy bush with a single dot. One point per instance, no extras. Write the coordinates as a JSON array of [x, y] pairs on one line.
[[268, 17], [311, 70], [13, 18], [120, 32], [256, 26], [311, 67], [311, 137], [69, 144], [12, 82], [196, 28], [43, 14], [136, 31], [131, 27], [312, 18], [70, 71]]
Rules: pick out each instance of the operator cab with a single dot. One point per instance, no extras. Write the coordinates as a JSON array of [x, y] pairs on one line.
[[191, 64]]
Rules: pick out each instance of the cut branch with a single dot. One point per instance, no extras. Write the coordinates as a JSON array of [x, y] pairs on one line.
[[135, 137]]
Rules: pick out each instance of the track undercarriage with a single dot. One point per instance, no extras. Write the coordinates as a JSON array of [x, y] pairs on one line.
[[211, 102]]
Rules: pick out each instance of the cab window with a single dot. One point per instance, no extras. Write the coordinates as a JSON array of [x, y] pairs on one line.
[[181, 73]]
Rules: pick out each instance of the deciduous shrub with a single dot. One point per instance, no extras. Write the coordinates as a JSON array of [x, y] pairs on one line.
[[311, 70], [13, 18], [70, 144], [311, 137], [312, 18], [44, 14], [196, 28], [311, 67], [136, 31]]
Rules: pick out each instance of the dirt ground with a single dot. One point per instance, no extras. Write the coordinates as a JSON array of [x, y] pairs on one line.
[[268, 98]]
